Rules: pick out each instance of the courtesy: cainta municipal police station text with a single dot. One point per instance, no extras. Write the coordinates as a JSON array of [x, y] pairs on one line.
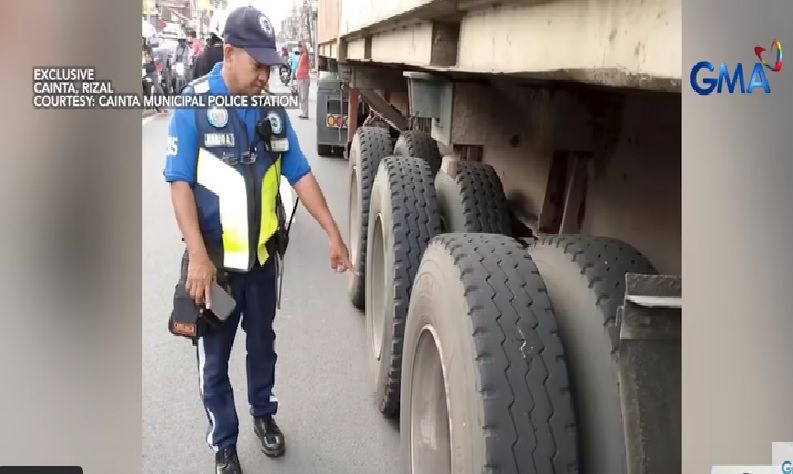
[[135, 101]]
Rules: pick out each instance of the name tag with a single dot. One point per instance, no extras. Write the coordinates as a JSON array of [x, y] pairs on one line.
[[218, 140], [279, 144]]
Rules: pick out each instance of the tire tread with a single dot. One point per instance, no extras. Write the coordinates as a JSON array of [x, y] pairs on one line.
[[603, 261], [529, 416], [418, 144], [415, 221], [375, 143]]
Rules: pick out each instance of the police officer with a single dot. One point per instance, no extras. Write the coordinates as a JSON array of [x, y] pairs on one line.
[[225, 199]]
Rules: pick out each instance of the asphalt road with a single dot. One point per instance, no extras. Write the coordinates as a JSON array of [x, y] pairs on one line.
[[326, 409]]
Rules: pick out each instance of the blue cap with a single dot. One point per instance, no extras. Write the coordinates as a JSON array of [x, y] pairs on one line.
[[249, 29]]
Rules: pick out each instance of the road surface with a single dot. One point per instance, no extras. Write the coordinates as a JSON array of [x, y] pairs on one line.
[[326, 410]]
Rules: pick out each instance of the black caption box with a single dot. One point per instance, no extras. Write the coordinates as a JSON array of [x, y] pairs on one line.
[[41, 470]]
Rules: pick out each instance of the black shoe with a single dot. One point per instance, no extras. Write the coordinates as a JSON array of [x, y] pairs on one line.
[[273, 443], [227, 462]]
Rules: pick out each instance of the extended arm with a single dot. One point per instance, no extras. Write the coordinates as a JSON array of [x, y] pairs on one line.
[[298, 172]]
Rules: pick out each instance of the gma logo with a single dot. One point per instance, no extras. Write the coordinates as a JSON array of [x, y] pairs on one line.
[[708, 84], [705, 84]]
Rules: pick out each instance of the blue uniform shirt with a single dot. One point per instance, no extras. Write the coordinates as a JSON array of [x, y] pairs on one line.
[[180, 158]]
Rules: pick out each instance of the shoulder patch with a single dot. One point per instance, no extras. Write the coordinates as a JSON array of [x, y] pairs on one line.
[[196, 86], [201, 87]]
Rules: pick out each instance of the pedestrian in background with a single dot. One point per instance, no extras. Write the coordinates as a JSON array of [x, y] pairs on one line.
[[210, 55], [303, 79], [293, 60], [151, 69]]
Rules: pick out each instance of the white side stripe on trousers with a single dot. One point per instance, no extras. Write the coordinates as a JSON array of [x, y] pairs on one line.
[[201, 365]]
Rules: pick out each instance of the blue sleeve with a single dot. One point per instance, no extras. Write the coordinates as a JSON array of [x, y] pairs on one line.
[[182, 147], [294, 164]]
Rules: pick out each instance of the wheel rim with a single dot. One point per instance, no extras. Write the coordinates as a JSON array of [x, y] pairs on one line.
[[430, 436], [378, 277], [354, 218]]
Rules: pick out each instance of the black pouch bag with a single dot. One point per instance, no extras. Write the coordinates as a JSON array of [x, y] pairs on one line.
[[188, 319]]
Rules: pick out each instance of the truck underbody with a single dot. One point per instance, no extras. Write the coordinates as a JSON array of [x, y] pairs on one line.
[[518, 163]]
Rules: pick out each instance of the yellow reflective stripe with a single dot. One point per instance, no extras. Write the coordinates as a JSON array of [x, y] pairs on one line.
[[269, 224], [229, 186]]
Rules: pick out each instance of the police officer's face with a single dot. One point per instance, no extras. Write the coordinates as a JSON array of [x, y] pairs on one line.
[[250, 77]]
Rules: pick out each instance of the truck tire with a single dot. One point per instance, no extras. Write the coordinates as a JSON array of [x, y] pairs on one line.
[[585, 277], [483, 360], [369, 146], [473, 200], [403, 218], [419, 145]]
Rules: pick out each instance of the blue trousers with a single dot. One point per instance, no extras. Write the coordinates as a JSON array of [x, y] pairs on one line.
[[255, 294]]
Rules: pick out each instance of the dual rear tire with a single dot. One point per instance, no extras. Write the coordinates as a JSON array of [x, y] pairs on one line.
[[476, 341]]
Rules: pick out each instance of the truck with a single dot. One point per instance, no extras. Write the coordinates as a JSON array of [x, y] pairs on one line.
[[514, 220]]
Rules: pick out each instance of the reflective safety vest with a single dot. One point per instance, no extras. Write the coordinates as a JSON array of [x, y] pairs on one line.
[[236, 196]]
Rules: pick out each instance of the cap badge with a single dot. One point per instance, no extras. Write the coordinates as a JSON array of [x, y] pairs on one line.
[[266, 26]]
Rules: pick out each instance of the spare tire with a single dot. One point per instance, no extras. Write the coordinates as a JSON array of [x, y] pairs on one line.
[[403, 218], [483, 360], [585, 277], [369, 146], [473, 200], [419, 145]]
